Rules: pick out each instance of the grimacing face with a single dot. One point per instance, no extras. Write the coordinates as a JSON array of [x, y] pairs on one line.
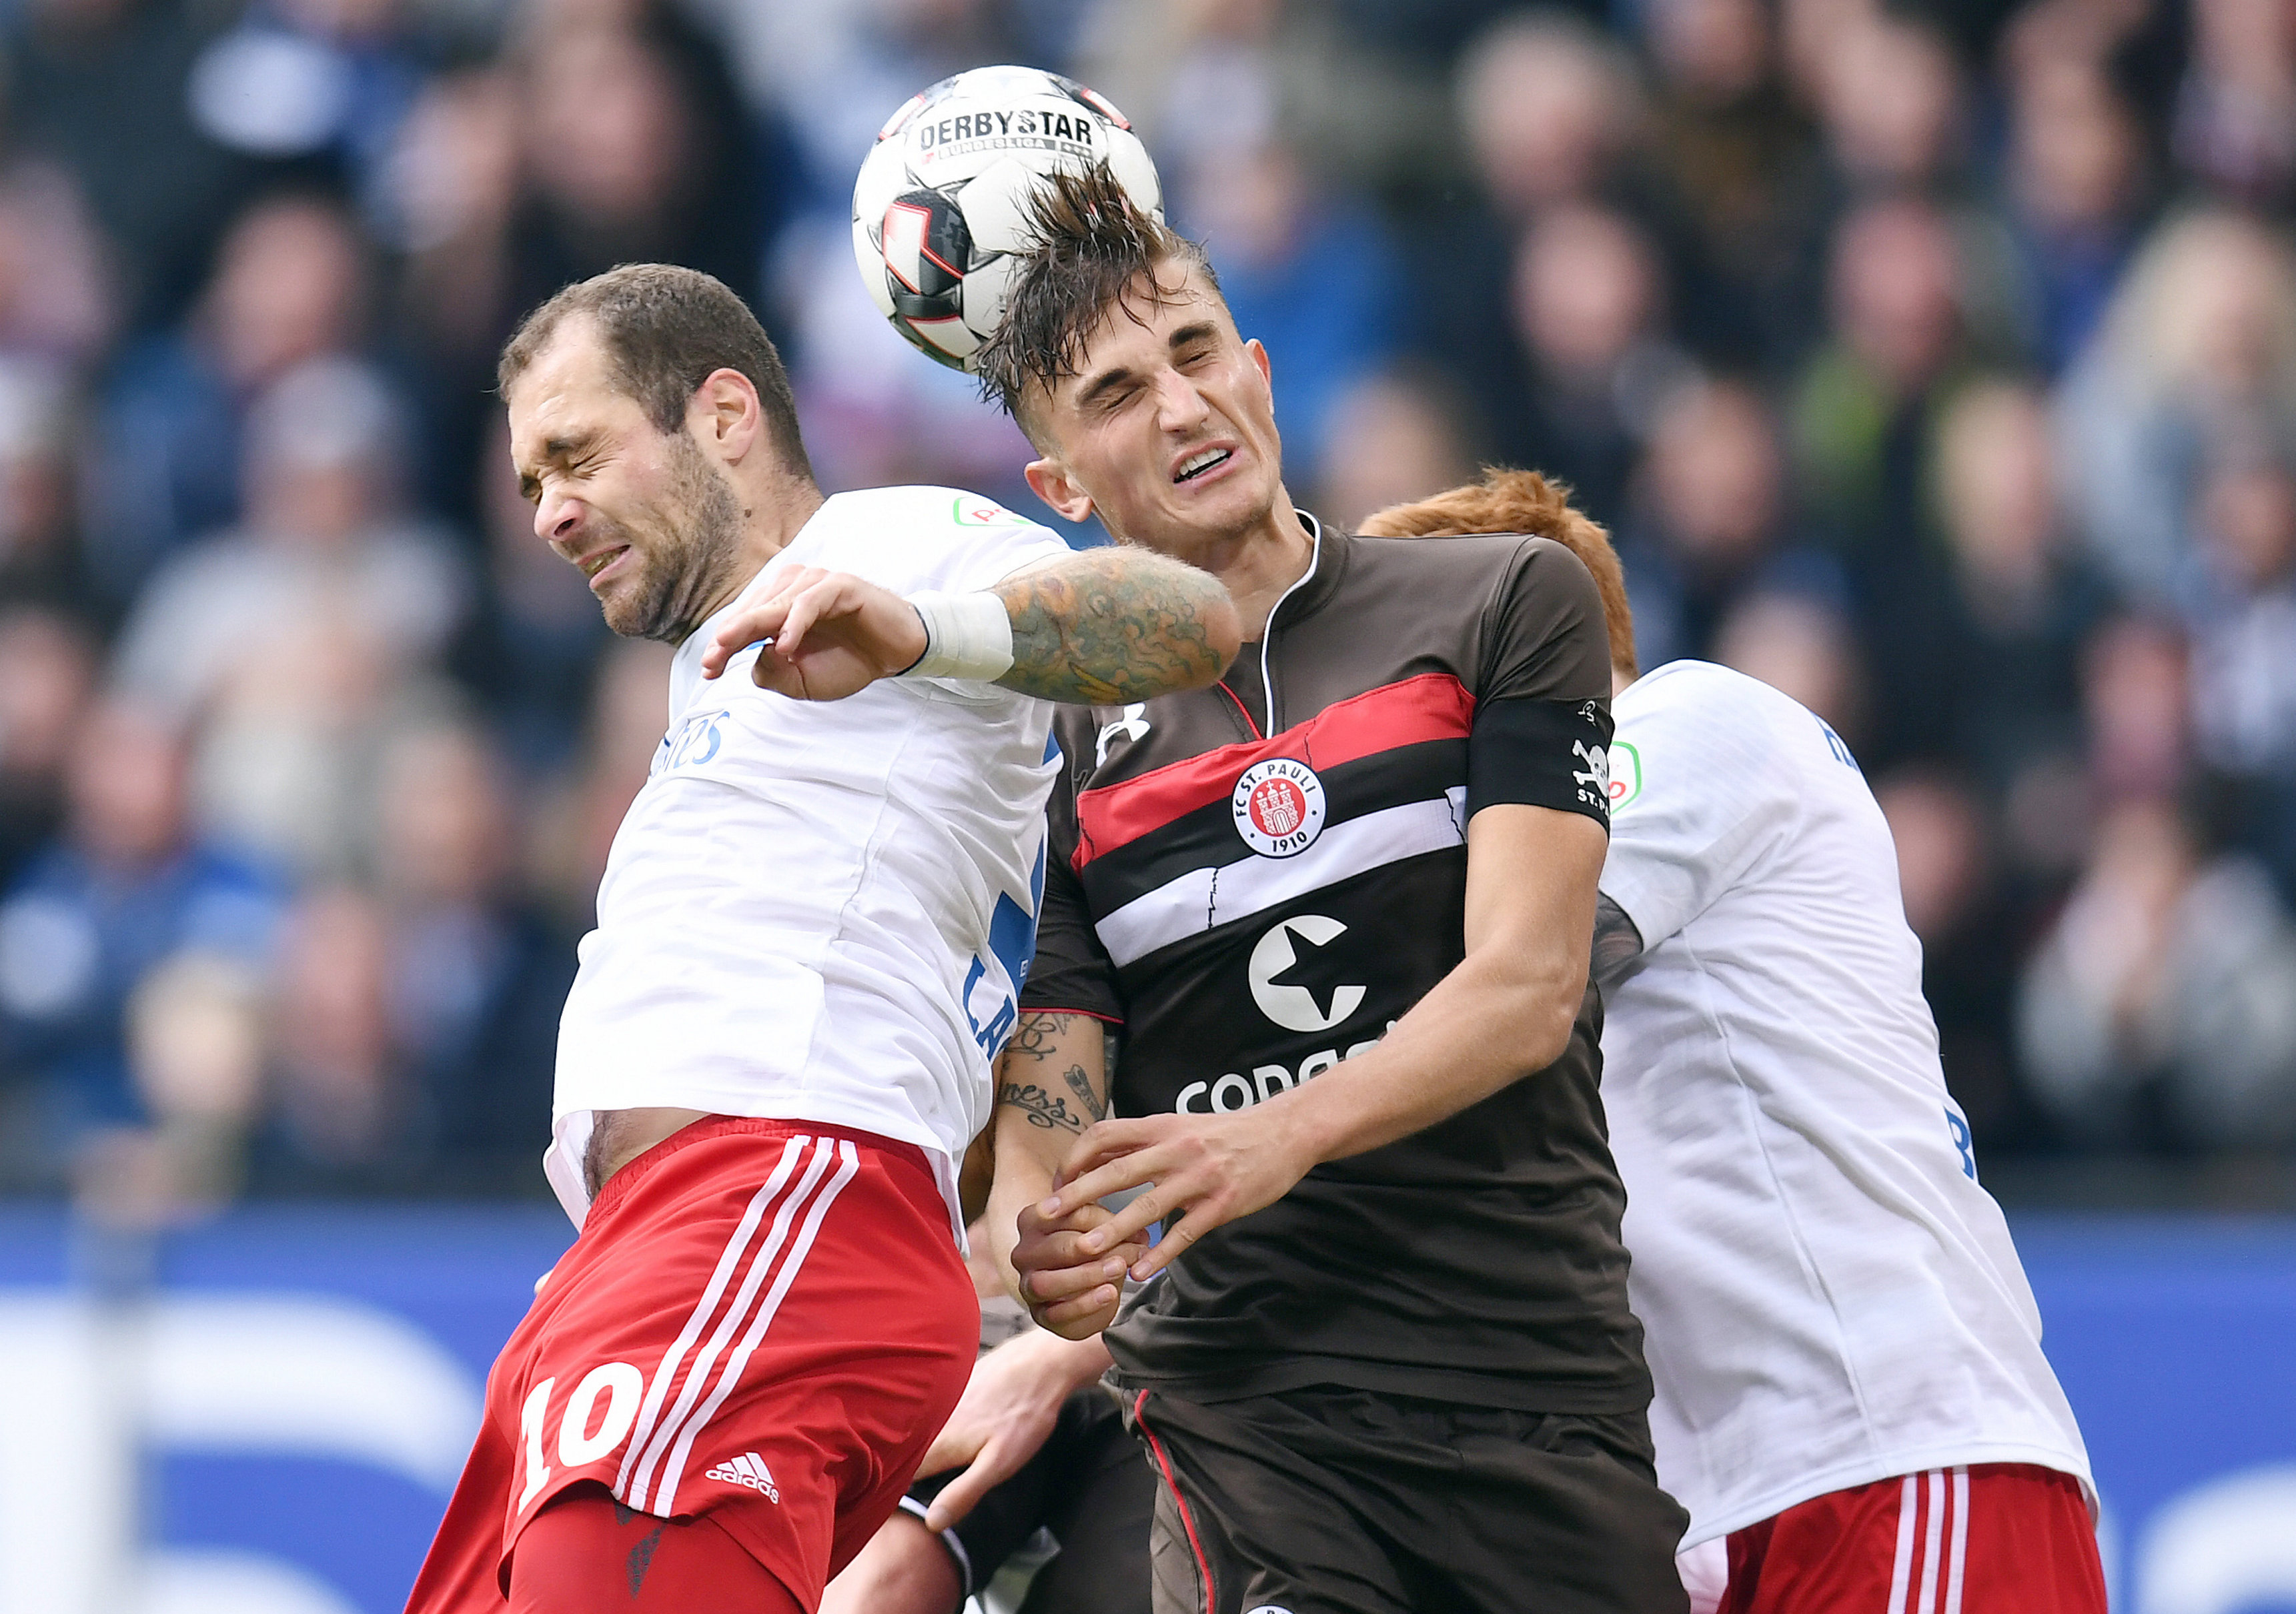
[[651, 521], [1167, 428]]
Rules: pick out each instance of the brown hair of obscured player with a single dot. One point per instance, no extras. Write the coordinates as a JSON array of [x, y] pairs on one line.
[[1524, 502], [1094, 251], [666, 329]]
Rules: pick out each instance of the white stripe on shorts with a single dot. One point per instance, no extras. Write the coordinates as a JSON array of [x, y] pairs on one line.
[[666, 1371], [849, 1166], [729, 1323], [1960, 1541], [1930, 1539], [1901, 1576]]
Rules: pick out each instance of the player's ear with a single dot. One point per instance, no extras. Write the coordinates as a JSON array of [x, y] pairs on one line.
[[1049, 480], [1261, 362], [724, 413]]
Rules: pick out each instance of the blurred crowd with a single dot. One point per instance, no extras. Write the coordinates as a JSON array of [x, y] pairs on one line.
[[1936, 364]]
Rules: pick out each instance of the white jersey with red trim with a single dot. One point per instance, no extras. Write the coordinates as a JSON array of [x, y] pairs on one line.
[[1830, 1298], [824, 911]]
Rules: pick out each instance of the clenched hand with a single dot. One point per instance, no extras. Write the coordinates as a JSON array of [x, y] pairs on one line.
[[827, 634]]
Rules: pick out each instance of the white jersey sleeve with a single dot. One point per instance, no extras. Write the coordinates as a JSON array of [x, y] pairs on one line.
[[1697, 826]]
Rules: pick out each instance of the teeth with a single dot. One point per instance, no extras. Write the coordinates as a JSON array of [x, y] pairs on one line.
[[1196, 462]]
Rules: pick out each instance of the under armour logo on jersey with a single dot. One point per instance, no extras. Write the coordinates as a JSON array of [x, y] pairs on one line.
[[749, 1469], [1131, 725]]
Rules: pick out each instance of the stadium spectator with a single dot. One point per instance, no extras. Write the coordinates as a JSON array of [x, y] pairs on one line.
[[573, 828], [2137, 706], [624, 164], [123, 888], [476, 977], [1861, 407], [1890, 98], [1972, 929], [2235, 115], [195, 1043], [47, 675], [312, 82], [102, 88], [1710, 523], [2161, 1008], [1404, 434], [298, 637], [1744, 165], [2075, 187], [1588, 316], [340, 1106], [2199, 346], [2242, 620], [41, 558], [1996, 690], [290, 285]]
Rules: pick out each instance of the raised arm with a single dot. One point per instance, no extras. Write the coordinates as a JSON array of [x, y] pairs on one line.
[[1505, 1011], [1100, 627], [1117, 624]]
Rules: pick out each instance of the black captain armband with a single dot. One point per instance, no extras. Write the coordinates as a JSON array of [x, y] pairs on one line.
[[1541, 753]]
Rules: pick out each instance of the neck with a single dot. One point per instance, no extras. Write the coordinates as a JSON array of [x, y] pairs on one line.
[[771, 520], [1259, 563]]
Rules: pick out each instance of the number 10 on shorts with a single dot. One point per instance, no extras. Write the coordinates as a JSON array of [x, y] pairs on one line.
[[620, 1385]]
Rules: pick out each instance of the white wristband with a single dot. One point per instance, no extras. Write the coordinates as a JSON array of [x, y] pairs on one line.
[[967, 636]]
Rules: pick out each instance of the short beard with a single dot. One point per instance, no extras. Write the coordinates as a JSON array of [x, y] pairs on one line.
[[685, 567]]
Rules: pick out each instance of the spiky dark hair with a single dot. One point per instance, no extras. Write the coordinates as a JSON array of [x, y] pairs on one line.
[[1092, 251]]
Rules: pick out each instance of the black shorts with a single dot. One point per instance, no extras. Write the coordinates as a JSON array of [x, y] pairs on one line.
[[1334, 1501], [1089, 1485]]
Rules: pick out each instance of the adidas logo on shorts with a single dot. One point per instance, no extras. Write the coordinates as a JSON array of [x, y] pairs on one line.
[[748, 1469]]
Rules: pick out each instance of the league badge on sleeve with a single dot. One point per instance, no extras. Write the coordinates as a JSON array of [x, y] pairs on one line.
[[1625, 773], [1279, 806]]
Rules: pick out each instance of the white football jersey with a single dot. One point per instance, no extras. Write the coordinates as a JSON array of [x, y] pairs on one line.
[[824, 911], [1830, 1298]]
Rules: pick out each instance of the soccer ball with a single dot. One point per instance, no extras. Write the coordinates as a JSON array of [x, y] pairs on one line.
[[940, 206]]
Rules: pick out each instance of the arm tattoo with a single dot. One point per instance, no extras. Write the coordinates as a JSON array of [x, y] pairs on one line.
[[1080, 1085], [1048, 1110], [1043, 1100], [1617, 942], [1032, 1038], [1111, 626]]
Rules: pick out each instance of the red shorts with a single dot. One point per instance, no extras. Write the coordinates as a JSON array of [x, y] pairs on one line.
[[765, 1322], [1992, 1538]]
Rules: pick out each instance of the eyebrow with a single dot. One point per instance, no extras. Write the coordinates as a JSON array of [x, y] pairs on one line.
[[556, 451], [1103, 384], [1108, 381]]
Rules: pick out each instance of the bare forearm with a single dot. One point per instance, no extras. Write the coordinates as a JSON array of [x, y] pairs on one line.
[[1117, 624], [1051, 1083], [1485, 1026]]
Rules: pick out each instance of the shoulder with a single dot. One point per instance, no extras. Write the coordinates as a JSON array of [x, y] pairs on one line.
[[1500, 576], [1489, 555], [1723, 726], [930, 537]]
